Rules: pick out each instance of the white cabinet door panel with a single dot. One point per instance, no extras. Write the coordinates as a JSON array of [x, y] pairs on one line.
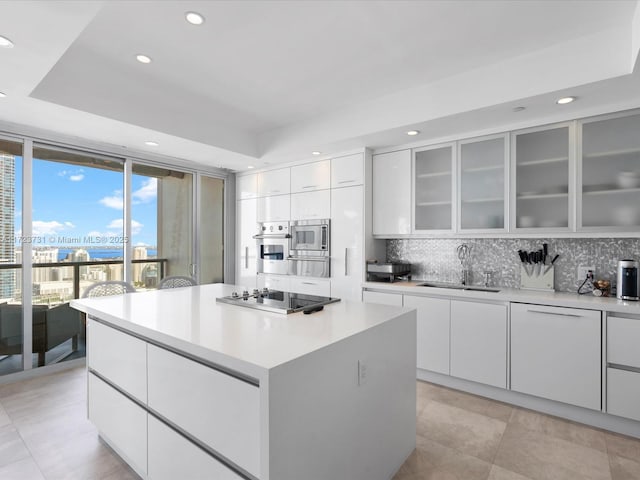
[[347, 171], [479, 342], [384, 298], [312, 176], [623, 393], [556, 353], [171, 456], [311, 205], [623, 341], [273, 209], [118, 357], [311, 286], [274, 282], [246, 186], [274, 182], [219, 410], [392, 193], [246, 229], [432, 332], [126, 430]]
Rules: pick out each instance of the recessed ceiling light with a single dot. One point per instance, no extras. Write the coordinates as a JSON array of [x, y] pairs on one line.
[[194, 18], [519, 109], [565, 100], [2, 95], [143, 58], [5, 42], [151, 143], [412, 133], [249, 166], [316, 153]]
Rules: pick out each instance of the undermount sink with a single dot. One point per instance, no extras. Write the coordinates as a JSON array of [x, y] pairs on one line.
[[457, 286]]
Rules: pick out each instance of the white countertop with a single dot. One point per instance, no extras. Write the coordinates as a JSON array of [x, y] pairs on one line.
[[560, 299], [247, 340]]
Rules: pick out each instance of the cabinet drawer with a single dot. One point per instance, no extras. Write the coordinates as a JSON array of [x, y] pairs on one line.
[[312, 176], [125, 430], [118, 357], [623, 393], [217, 409], [311, 286], [623, 341], [185, 460], [384, 298]]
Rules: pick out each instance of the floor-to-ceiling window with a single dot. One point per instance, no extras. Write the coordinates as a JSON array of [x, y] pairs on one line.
[[11, 332], [211, 230]]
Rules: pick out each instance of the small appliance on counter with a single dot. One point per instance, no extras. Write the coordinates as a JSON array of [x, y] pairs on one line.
[[628, 286], [388, 271]]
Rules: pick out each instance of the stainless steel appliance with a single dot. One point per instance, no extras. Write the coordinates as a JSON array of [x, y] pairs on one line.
[[277, 301], [272, 243], [388, 271], [309, 252], [628, 286]]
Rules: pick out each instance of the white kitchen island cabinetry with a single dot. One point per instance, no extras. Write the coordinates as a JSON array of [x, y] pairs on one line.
[[556, 353], [392, 193], [479, 342], [238, 393]]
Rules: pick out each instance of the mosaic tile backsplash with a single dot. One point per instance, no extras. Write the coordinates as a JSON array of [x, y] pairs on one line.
[[437, 260]]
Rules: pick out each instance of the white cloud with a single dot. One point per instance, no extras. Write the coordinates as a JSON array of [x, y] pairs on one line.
[[118, 223], [147, 192], [49, 228], [115, 201], [76, 178]]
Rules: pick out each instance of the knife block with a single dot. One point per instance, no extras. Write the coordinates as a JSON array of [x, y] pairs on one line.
[[544, 282]]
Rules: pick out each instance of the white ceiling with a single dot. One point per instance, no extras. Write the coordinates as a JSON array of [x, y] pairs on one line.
[[270, 81]]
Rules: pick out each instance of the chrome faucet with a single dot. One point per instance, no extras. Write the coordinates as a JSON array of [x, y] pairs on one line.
[[464, 252], [464, 279]]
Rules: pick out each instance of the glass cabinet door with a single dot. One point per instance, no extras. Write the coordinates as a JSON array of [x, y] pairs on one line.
[[433, 188], [542, 183], [482, 183], [611, 173]]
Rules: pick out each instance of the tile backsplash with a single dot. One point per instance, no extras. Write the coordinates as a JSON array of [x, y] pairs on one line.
[[437, 260]]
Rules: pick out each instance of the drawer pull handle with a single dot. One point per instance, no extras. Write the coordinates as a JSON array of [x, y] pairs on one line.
[[310, 186], [345, 181], [554, 313], [309, 283]]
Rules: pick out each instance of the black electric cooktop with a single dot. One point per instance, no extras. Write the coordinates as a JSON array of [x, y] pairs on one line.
[[276, 301]]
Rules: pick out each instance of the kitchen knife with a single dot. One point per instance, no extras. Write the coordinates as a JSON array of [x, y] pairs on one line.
[[551, 264], [545, 249]]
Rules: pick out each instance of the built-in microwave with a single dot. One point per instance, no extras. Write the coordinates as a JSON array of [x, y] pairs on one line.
[[309, 252], [310, 236], [272, 243]]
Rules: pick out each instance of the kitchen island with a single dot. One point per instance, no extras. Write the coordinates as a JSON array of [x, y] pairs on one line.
[[184, 387]]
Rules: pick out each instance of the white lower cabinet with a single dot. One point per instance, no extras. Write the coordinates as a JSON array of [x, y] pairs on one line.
[[623, 341], [274, 282], [311, 286], [219, 410], [479, 342], [126, 431], [556, 353], [384, 298], [432, 337], [623, 393], [172, 456]]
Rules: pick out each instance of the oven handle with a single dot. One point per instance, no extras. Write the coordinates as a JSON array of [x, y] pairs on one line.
[[310, 259], [283, 235]]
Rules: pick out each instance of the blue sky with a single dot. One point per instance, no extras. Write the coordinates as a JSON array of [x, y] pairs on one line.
[[79, 202]]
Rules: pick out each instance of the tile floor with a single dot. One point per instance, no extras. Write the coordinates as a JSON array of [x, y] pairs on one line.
[[44, 434]]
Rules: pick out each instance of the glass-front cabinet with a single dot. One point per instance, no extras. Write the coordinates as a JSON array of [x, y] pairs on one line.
[[482, 177], [542, 186], [434, 188], [609, 173]]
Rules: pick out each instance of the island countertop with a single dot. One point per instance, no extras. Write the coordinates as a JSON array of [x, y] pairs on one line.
[[251, 341]]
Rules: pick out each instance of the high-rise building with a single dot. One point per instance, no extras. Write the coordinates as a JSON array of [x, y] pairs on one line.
[[139, 253], [45, 274], [7, 230]]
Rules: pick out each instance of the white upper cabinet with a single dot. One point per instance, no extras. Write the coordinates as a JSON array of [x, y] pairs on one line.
[[246, 186], [610, 173], [392, 193], [274, 182], [311, 205], [312, 176], [542, 186], [434, 188], [347, 171], [482, 184]]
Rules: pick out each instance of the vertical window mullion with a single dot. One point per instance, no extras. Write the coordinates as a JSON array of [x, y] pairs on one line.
[[27, 247]]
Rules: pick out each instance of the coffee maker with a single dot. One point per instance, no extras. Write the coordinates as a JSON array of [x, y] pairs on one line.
[[628, 284]]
